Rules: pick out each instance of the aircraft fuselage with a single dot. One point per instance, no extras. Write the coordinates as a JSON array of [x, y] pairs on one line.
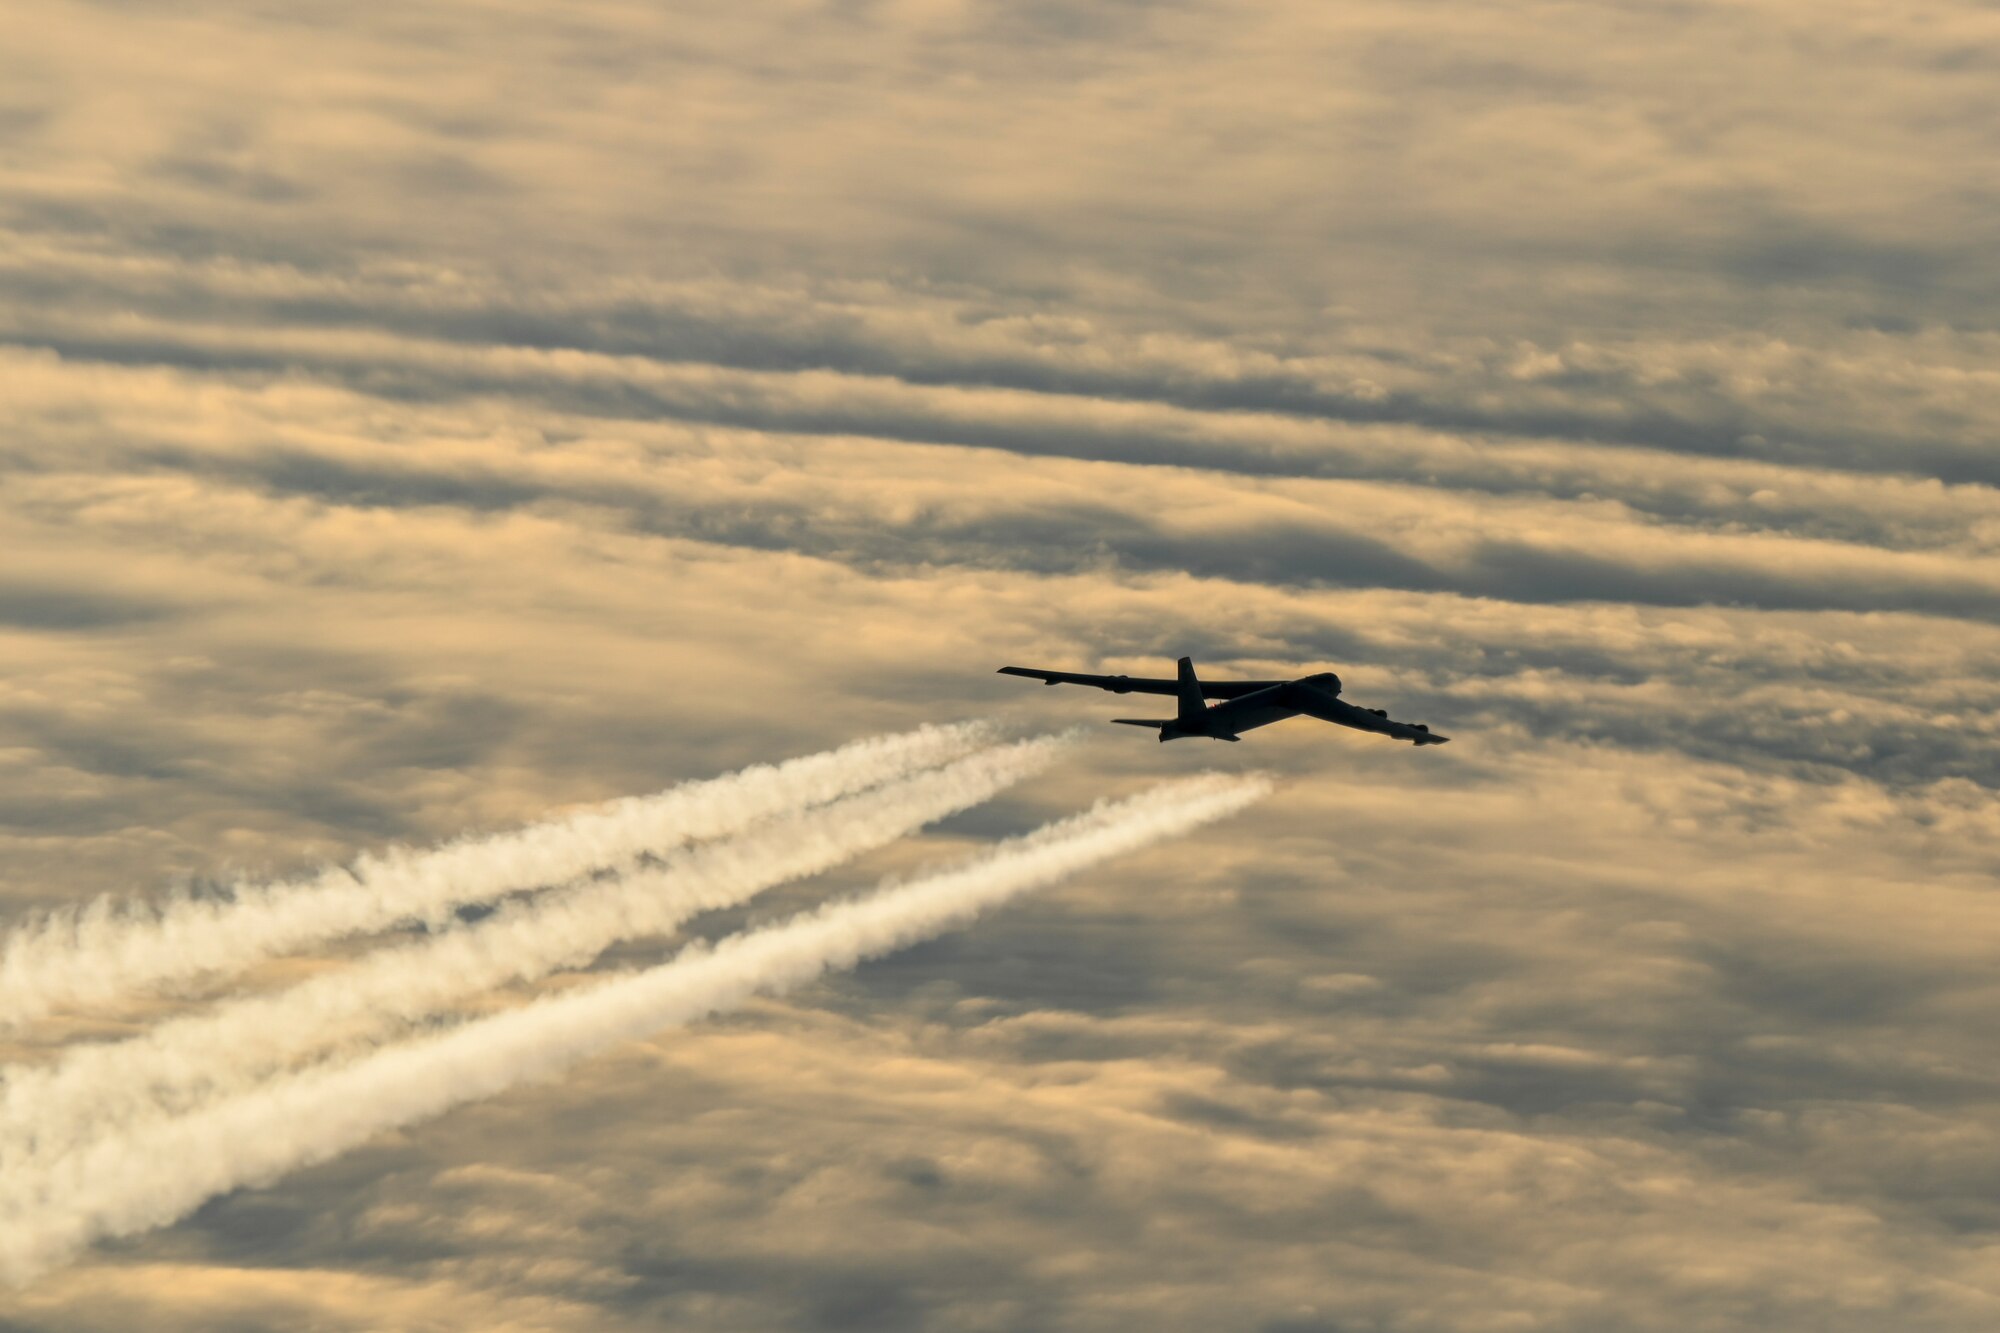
[[1226, 721]]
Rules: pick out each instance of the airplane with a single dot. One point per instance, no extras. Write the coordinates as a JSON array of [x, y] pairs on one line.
[[1246, 704]]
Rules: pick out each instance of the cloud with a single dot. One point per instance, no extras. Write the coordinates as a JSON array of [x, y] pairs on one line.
[[192, 1296], [149, 1171], [422, 420]]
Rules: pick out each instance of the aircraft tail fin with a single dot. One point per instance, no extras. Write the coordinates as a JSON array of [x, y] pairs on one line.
[[1192, 704]]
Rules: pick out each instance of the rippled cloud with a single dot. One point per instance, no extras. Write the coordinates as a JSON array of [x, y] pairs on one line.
[[421, 420]]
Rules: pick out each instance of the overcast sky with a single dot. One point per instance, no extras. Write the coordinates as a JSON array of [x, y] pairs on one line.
[[422, 417]]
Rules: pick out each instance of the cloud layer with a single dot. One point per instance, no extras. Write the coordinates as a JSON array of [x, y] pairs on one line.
[[429, 421]]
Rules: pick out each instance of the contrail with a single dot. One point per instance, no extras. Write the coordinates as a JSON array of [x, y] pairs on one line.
[[109, 950], [108, 1087], [160, 1173]]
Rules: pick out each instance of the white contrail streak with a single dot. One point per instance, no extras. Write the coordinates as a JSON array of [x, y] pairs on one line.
[[103, 1088], [109, 950], [151, 1177]]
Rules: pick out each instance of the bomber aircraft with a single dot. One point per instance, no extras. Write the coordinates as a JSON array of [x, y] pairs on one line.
[[1245, 704]]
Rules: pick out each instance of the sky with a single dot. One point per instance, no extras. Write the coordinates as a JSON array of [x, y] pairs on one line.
[[420, 419]]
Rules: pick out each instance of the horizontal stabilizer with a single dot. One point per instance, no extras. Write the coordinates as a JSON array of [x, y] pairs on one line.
[[1140, 722]]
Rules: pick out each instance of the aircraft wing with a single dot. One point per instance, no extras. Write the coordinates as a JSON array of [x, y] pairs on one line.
[[1210, 689], [1369, 719]]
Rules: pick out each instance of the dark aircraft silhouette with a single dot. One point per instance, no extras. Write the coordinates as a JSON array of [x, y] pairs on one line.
[[1246, 704]]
